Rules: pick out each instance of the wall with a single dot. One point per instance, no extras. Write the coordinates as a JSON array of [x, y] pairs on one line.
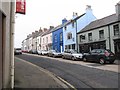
[[5, 9]]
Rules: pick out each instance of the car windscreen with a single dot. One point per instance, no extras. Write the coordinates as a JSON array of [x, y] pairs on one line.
[[18, 48]]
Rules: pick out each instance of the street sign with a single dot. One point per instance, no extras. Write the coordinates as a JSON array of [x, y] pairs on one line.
[[21, 6]]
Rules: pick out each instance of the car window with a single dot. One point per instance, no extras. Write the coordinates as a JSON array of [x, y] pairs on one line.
[[93, 51], [99, 51]]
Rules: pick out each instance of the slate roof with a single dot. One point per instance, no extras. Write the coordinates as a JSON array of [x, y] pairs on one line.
[[68, 22], [100, 23]]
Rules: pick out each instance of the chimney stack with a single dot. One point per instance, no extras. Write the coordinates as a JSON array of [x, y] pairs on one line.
[[51, 27], [88, 8], [40, 30], [118, 10], [75, 15], [64, 20], [45, 29]]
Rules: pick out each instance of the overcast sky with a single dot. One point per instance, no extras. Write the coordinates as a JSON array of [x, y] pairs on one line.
[[45, 13]]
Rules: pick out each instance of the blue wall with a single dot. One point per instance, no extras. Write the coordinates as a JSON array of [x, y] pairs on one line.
[[56, 43]]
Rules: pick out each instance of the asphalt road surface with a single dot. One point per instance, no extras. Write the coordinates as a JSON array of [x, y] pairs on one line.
[[78, 75]]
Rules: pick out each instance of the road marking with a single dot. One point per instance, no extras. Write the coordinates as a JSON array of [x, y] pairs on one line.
[[58, 79]]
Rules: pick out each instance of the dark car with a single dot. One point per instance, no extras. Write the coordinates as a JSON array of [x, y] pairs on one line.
[[100, 55], [72, 54], [54, 53], [33, 52]]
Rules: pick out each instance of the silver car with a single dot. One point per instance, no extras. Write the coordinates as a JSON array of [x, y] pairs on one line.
[[72, 54], [54, 53]]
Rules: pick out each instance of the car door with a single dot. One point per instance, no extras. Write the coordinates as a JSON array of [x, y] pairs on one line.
[[69, 55], [92, 55]]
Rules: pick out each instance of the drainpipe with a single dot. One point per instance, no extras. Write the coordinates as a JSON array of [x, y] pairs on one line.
[[12, 23], [76, 38], [109, 37]]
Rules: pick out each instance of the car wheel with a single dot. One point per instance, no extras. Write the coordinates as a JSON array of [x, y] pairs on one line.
[[111, 62], [84, 59], [73, 58], [101, 61], [63, 57]]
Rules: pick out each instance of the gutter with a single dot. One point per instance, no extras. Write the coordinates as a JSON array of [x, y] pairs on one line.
[[12, 23]]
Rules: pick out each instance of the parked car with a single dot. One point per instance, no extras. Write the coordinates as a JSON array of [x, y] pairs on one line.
[[17, 51], [100, 55], [54, 53], [39, 52], [44, 52], [72, 54], [24, 51], [33, 51]]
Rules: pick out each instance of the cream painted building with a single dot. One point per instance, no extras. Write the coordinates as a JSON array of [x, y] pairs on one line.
[[101, 33], [46, 40], [7, 13]]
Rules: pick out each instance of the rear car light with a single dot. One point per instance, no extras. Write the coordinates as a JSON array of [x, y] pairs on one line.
[[107, 53]]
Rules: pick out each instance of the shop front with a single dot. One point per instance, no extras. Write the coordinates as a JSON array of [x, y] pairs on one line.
[[87, 47], [117, 48]]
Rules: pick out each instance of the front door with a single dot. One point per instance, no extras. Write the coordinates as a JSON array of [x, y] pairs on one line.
[[1, 51]]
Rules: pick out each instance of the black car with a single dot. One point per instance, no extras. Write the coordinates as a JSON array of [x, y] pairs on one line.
[[100, 55]]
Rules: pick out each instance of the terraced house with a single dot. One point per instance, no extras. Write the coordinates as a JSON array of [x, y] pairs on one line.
[[75, 25], [46, 39], [57, 37], [102, 33]]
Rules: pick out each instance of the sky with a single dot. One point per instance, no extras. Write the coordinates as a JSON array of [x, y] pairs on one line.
[[45, 13]]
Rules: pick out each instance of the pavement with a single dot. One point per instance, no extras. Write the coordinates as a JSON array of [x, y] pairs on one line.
[[28, 75]]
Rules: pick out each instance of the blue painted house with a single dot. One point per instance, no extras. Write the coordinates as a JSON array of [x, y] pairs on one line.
[[74, 25], [57, 37]]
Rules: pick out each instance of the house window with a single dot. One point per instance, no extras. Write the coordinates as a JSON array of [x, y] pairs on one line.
[[55, 38], [101, 34], [43, 40], [46, 39], [73, 24], [69, 36], [90, 36], [40, 40], [61, 36], [65, 27], [116, 30], [82, 37]]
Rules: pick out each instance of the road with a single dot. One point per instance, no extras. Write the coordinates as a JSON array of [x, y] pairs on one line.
[[78, 75]]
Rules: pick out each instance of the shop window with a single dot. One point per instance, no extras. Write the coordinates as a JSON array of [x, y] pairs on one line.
[[116, 30]]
